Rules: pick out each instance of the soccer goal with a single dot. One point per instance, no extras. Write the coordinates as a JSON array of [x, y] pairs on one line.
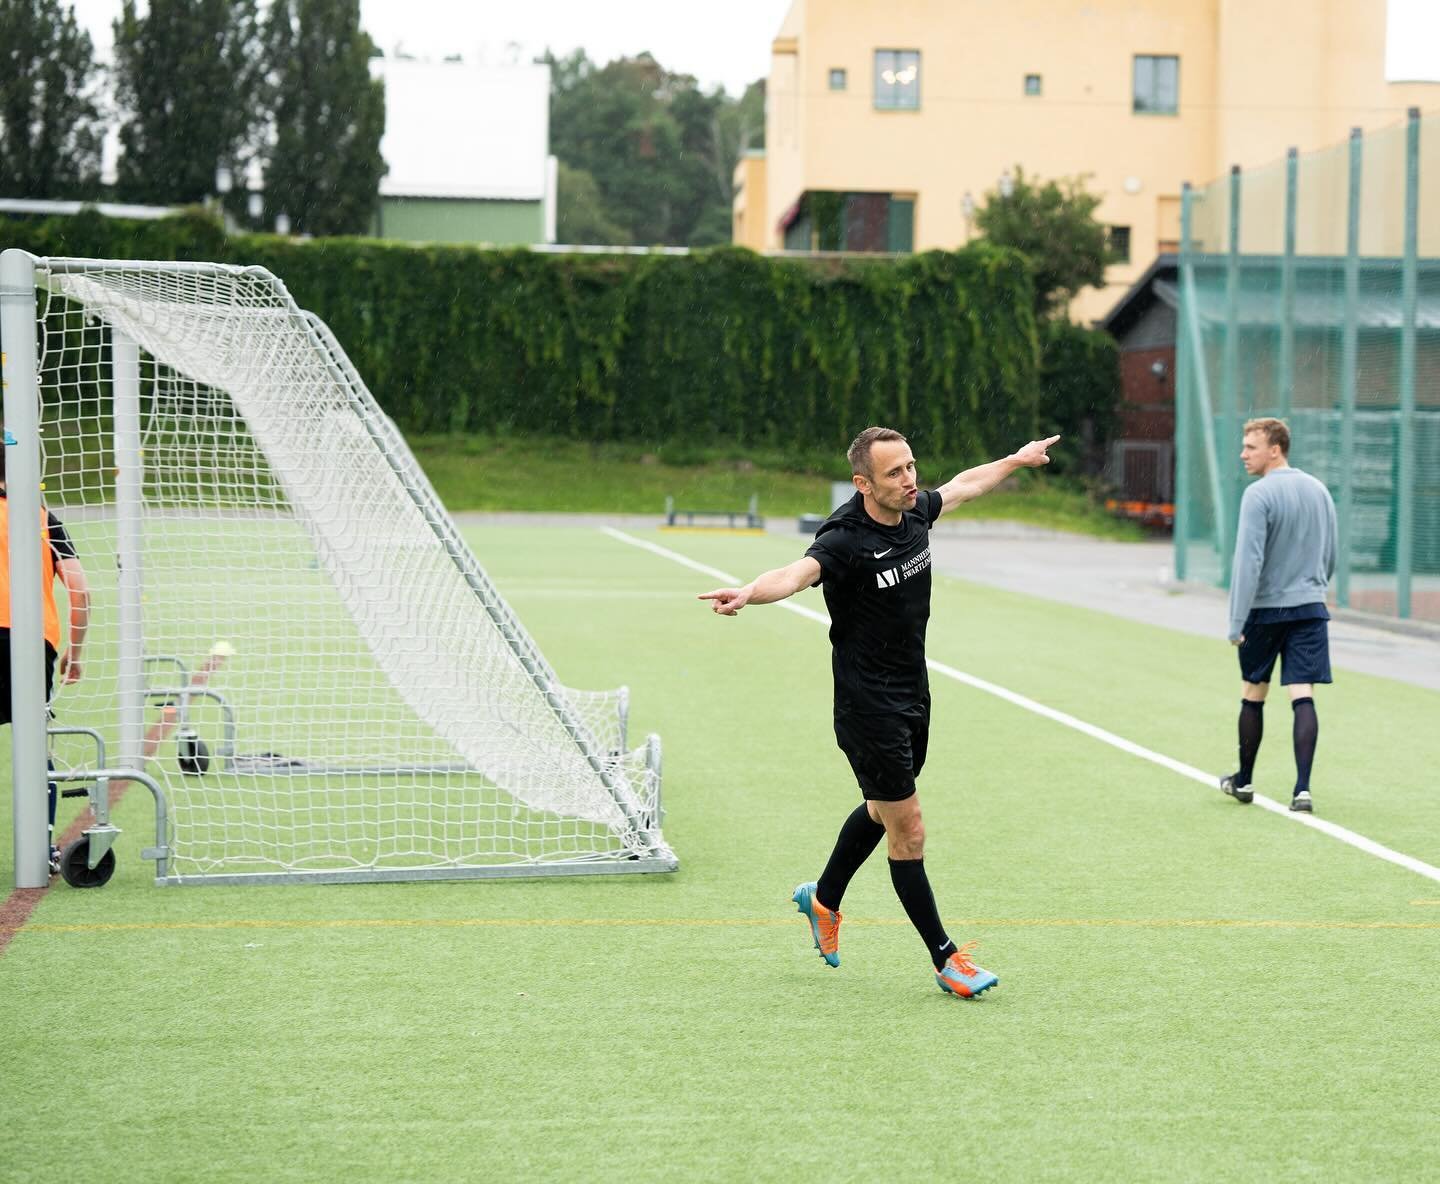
[[292, 644]]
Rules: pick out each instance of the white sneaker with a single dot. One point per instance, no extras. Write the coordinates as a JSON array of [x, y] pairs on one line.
[[1241, 793]]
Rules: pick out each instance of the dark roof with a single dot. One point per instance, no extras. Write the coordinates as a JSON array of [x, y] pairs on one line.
[[1378, 306], [1311, 309], [1140, 296]]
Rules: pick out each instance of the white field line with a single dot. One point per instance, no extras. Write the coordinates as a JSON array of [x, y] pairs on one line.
[[1359, 841]]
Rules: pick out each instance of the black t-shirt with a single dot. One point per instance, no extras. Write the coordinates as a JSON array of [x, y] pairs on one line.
[[877, 587], [60, 545]]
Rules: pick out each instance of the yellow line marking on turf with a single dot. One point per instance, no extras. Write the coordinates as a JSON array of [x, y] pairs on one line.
[[520, 592], [751, 530], [715, 922], [1425, 902]]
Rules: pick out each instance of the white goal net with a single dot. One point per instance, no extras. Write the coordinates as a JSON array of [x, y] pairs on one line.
[[289, 632]]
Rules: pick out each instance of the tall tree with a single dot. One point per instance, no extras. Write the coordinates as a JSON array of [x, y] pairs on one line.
[[661, 151], [580, 216], [329, 115], [50, 121], [187, 81], [1054, 224], [702, 173], [750, 117]]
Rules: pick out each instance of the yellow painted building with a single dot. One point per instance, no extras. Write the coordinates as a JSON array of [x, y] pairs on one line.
[[883, 115]]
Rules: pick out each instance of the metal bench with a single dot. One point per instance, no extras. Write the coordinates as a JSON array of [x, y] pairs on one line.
[[747, 519]]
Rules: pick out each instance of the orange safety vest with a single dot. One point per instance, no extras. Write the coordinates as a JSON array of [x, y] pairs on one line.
[[47, 575]]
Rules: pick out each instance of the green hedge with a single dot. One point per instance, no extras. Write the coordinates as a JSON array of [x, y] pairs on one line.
[[1080, 386], [719, 347]]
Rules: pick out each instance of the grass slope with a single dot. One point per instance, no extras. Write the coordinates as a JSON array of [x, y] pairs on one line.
[[480, 473]]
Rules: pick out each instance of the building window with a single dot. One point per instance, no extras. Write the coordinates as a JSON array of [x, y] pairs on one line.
[[900, 228], [837, 79], [864, 222], [1032, 84], [1157, 85], [1118, 243], [800, 234], [897, 79]]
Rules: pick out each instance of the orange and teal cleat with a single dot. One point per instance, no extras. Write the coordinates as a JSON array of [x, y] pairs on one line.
[[961, 977], [824, 924]]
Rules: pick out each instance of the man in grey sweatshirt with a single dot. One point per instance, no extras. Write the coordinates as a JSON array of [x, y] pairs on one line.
[[1284, 558]]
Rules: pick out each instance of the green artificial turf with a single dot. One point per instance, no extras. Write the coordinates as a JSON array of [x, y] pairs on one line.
[[1189, 989]]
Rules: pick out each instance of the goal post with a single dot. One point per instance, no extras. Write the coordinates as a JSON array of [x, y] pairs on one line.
[[290, 633], [27, 653]]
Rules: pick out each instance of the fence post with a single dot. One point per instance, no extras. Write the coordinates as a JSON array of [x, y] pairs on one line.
[[1230, 381], [1409, 300], [1287, 287], [1184, 364], [1349, 360]]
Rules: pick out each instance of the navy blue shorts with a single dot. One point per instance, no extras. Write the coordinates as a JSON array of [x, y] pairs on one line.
[[1303, 648], [886, 752]]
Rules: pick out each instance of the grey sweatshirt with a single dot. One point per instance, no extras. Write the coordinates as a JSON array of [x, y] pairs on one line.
[[1284, 547]]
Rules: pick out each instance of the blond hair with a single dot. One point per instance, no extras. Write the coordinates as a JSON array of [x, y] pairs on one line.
[[1276, 431]]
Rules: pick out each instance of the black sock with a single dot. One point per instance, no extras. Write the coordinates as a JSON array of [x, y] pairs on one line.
[[858, 837], [1306, 732], [912, 886], [1252, 728]]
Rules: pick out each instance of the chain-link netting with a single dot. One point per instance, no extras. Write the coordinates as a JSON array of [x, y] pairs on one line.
[[1325, 313]]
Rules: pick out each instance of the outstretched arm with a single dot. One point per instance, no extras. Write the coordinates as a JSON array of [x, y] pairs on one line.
[[973, 483], [765, 589]]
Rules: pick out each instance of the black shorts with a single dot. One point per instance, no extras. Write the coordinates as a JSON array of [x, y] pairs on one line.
[[5, 674], [1303, 648], [887, 752]]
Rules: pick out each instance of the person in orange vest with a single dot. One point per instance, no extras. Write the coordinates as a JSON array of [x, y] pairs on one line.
[[60, 560]]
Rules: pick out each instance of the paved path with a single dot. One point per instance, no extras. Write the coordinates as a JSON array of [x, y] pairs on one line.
[[1131, 580], [1136, 581]]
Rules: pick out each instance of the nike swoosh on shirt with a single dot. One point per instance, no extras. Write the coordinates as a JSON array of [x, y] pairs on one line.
[[882, 554]]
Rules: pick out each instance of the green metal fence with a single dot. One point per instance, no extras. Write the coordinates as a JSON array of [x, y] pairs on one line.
[[1310, 290]]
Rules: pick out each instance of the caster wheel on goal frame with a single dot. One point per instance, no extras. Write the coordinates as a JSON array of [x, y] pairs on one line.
[[74, 866], [192, 754]]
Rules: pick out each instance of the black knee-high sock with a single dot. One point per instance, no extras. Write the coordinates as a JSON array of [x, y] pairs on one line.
[[912, 886], [1306, 732], [1252, 728], [858, 837]]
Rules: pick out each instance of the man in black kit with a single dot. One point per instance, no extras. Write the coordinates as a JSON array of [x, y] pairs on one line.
[[873, 557]]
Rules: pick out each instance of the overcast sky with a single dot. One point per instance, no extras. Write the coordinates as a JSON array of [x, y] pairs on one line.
[[1412, 44], [725, 44]]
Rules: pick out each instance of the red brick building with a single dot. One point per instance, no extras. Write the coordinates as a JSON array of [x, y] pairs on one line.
[[1141, 465]]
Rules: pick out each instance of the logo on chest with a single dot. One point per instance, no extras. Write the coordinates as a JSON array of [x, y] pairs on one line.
[[895, 576]]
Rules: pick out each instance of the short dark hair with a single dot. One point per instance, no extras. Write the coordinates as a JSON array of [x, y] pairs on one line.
[[859, 451], [1276, 431]]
